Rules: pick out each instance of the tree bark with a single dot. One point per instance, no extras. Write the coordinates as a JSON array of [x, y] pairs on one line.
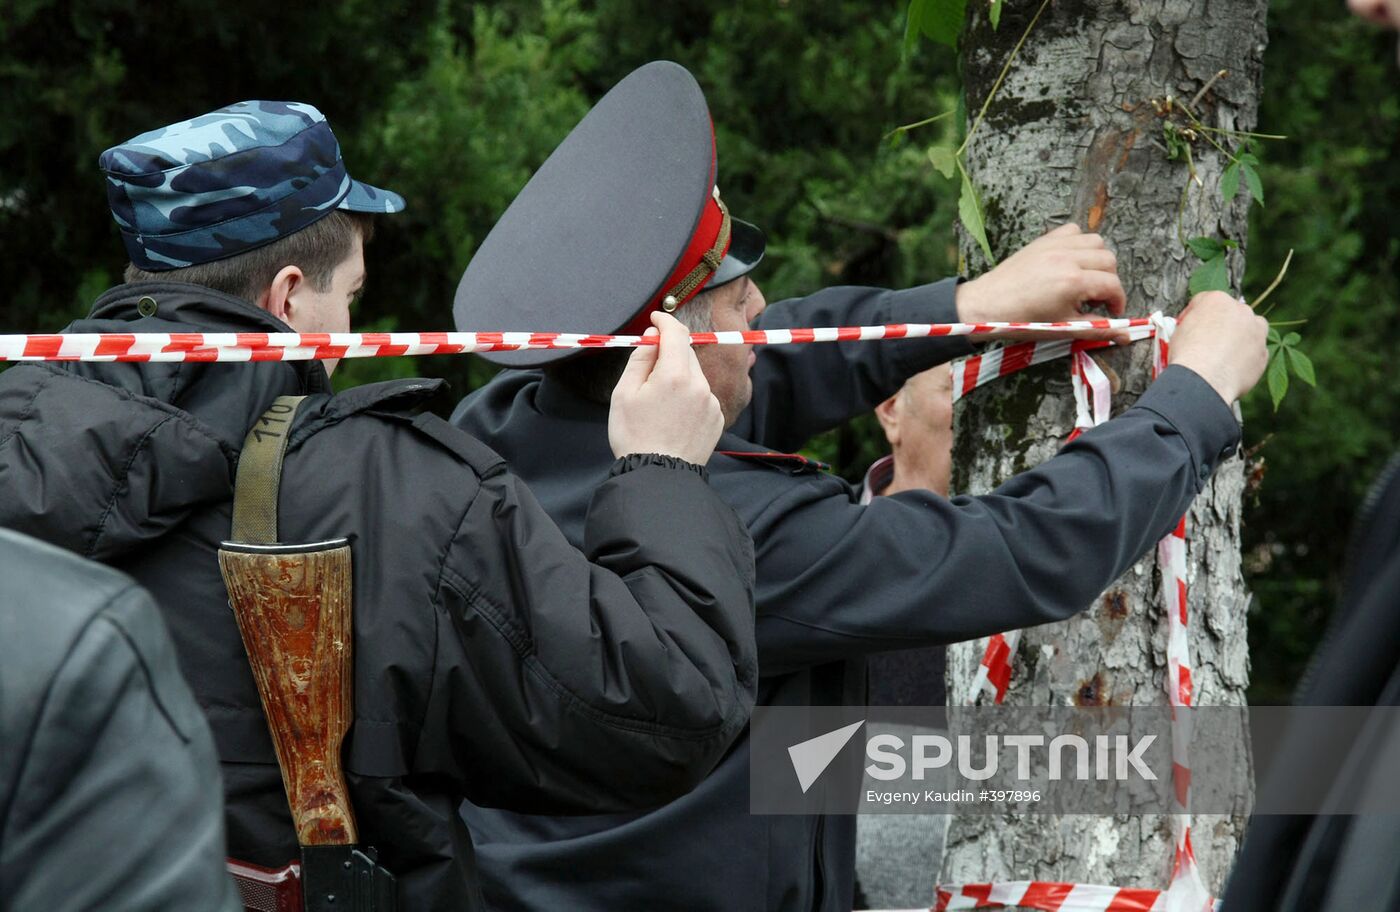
[[1073, 135]]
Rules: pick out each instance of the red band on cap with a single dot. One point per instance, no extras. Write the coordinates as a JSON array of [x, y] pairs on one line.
[[706, 233]]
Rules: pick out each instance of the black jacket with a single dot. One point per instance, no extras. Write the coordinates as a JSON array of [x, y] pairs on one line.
[[492, 659], [1294, 863], [109, 798], [837, 581]]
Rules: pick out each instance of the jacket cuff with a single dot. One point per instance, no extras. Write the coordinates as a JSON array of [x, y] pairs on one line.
[[934, 303], [1189, 404], [637, 460]]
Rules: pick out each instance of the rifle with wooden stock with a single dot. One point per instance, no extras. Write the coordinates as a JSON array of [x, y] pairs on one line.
[[293, 603]]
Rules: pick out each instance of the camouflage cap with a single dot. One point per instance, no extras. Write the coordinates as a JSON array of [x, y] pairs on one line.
[[228, 181]]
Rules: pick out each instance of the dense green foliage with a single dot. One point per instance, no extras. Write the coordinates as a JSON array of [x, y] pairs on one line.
[[453, 105], [1332, 86]]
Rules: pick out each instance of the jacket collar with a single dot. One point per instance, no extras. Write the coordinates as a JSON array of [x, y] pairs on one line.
[[557, 400], [180, 306], [181, 302]]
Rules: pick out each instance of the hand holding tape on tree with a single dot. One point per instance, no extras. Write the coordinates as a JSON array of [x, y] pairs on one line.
[[1222, 339], [1048, 280]]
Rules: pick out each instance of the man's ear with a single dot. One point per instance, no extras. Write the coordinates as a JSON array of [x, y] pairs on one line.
[[888, 414], [277, 299]]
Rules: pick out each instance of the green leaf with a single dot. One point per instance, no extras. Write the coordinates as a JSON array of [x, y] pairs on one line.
[[1177, 146], [1230, 182], [913, 23], [1274, 338], [1291, 339], [995, 14], [1277, 376], [1207, 248], [943, 160], [970, 211], [938, 20], [1212, 275], [1302, 366], [1252, 181]]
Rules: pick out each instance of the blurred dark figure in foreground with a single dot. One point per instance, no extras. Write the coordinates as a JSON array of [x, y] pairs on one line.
[[109, 796], [1297, 863]]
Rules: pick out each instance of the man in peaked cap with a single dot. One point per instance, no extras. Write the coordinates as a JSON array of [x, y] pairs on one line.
[[492, 660], [622, 219]]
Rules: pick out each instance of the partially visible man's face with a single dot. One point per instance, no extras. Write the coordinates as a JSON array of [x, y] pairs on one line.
[[918, 422], [313, 311], [733, 308], [1381, 12]]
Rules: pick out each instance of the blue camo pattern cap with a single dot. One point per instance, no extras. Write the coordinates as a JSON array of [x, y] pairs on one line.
[[229, 181]]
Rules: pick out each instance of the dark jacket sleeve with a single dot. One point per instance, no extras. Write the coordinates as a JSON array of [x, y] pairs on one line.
[[802, 390], [614, 680], [118, 805], [837, 578]]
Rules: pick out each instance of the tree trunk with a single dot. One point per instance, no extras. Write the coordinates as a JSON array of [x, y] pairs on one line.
[[1073, 135]]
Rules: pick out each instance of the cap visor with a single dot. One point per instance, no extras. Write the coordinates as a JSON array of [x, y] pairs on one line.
[[364, 198], [747, 244]]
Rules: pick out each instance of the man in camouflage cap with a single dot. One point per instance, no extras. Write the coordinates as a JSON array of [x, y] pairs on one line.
[[229, 181], [492, 660]]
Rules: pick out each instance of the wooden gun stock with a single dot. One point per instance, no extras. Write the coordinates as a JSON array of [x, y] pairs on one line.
[[293, 605]]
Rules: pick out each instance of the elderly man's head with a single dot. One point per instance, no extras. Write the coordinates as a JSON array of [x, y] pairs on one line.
[[918, 422]]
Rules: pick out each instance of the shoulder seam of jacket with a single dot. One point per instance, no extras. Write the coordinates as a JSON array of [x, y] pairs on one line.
[[24, 415], [443, 569], [170, 411], [119, 484], [27, 744], [107, 615], [519, 640]]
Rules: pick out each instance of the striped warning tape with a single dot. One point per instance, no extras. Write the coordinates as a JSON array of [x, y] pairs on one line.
[[207, 347], [1186, 891]]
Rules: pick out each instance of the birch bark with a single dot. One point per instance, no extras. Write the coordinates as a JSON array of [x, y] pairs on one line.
[[1073, 135]]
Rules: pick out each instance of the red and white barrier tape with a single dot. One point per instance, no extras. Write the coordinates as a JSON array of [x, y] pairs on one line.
[[206, 347], [1056, 897], [1186, 891], [979, 370], [994, 671]]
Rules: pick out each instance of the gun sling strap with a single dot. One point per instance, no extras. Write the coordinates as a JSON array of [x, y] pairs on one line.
[[293, 606]]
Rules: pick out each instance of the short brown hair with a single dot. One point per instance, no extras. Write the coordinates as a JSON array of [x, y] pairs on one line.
[[317, 249]]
